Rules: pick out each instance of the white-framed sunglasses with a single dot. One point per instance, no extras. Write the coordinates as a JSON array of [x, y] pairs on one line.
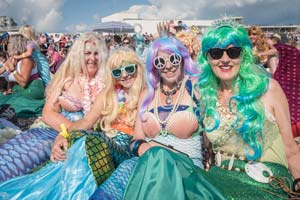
[[160, 62]]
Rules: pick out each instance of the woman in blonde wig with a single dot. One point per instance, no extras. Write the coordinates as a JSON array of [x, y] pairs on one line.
[[264, 52], [92, 155], [70, 95], [33, 50]]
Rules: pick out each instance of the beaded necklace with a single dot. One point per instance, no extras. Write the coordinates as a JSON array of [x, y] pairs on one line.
[[164, 123], [170, 93], [226, 117]]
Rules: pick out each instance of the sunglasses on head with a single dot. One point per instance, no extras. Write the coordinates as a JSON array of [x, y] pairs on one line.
[[232, 52], [160, 62], [129, 69]]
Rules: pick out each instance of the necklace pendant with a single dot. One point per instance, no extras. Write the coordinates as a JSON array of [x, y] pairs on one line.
[[169, 100], [164, 133]]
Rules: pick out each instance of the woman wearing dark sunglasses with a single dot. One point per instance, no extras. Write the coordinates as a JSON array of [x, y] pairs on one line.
[[89, 157], [246, 118]]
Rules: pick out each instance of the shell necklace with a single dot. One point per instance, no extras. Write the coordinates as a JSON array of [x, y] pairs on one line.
[[164, 123]]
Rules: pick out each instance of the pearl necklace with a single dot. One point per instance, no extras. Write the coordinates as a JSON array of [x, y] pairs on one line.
[[170, 93], [164, 123]]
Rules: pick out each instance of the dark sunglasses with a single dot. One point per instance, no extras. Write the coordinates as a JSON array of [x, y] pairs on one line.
[[129, 69], [126, 42], [232, 52], [160, 62]]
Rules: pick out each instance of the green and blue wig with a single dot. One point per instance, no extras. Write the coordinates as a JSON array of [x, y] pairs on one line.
[[249, 85]]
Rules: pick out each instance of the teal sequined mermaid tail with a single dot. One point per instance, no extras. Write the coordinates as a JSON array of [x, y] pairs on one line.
[[89, 162], [42, 66], [113, 188]]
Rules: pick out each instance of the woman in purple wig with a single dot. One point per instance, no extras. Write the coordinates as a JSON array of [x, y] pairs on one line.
[[166, 131]]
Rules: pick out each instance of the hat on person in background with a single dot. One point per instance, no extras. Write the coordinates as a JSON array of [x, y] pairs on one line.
[[276, 35]]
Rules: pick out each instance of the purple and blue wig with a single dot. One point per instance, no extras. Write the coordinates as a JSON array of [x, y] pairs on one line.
[[168, 45]]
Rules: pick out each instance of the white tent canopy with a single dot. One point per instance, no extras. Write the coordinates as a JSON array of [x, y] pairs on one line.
[[114, 27]]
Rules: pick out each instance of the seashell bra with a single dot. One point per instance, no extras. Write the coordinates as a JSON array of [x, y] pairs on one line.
[[182, 124]]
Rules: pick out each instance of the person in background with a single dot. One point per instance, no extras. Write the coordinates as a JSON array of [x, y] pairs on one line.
[[55, 59], [29, 88], [32, 49], [265, 53]]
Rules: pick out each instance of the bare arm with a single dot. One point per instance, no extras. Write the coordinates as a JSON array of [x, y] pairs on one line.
[[51, 115], [138, 129], [90, 119], [27, 65], [26, 54], [279, 104], [272, 51]]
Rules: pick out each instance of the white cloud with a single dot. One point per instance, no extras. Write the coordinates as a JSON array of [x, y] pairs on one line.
[[43, 15], [77, 28], [253, 11]]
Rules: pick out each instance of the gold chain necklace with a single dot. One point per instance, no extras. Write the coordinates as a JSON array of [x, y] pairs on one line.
[[164, 123]]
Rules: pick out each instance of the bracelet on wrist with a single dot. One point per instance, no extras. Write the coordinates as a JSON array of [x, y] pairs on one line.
[[23, 55], [136, 146], [64, 131]]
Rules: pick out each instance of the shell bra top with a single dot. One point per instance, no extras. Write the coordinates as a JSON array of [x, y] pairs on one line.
[[183, 123], [228, 142], [70, 103]]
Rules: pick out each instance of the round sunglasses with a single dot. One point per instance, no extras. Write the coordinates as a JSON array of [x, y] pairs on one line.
[[232, 52], [129, 69], [160, 62]]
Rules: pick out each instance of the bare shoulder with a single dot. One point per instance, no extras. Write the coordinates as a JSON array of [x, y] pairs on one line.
[[274, 88], [274, 95]]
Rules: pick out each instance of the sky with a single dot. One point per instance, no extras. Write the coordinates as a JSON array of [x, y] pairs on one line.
[[80, 15]]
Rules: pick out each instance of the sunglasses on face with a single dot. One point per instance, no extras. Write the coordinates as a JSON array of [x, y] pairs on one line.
[[126, 42], [129, 69], [160, 62], [232, 52]]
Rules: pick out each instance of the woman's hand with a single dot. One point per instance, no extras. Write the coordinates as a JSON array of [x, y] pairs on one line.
[[59, 148]]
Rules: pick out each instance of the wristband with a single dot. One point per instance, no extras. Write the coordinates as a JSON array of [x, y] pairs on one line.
[[64, 131], [23, 55], [136, 146]]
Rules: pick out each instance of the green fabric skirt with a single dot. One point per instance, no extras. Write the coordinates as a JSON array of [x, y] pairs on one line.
[[163, 174], [28, 101], [238, 185]]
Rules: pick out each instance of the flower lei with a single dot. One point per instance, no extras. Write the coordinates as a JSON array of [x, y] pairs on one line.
[[90, 89], [121, 98]]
